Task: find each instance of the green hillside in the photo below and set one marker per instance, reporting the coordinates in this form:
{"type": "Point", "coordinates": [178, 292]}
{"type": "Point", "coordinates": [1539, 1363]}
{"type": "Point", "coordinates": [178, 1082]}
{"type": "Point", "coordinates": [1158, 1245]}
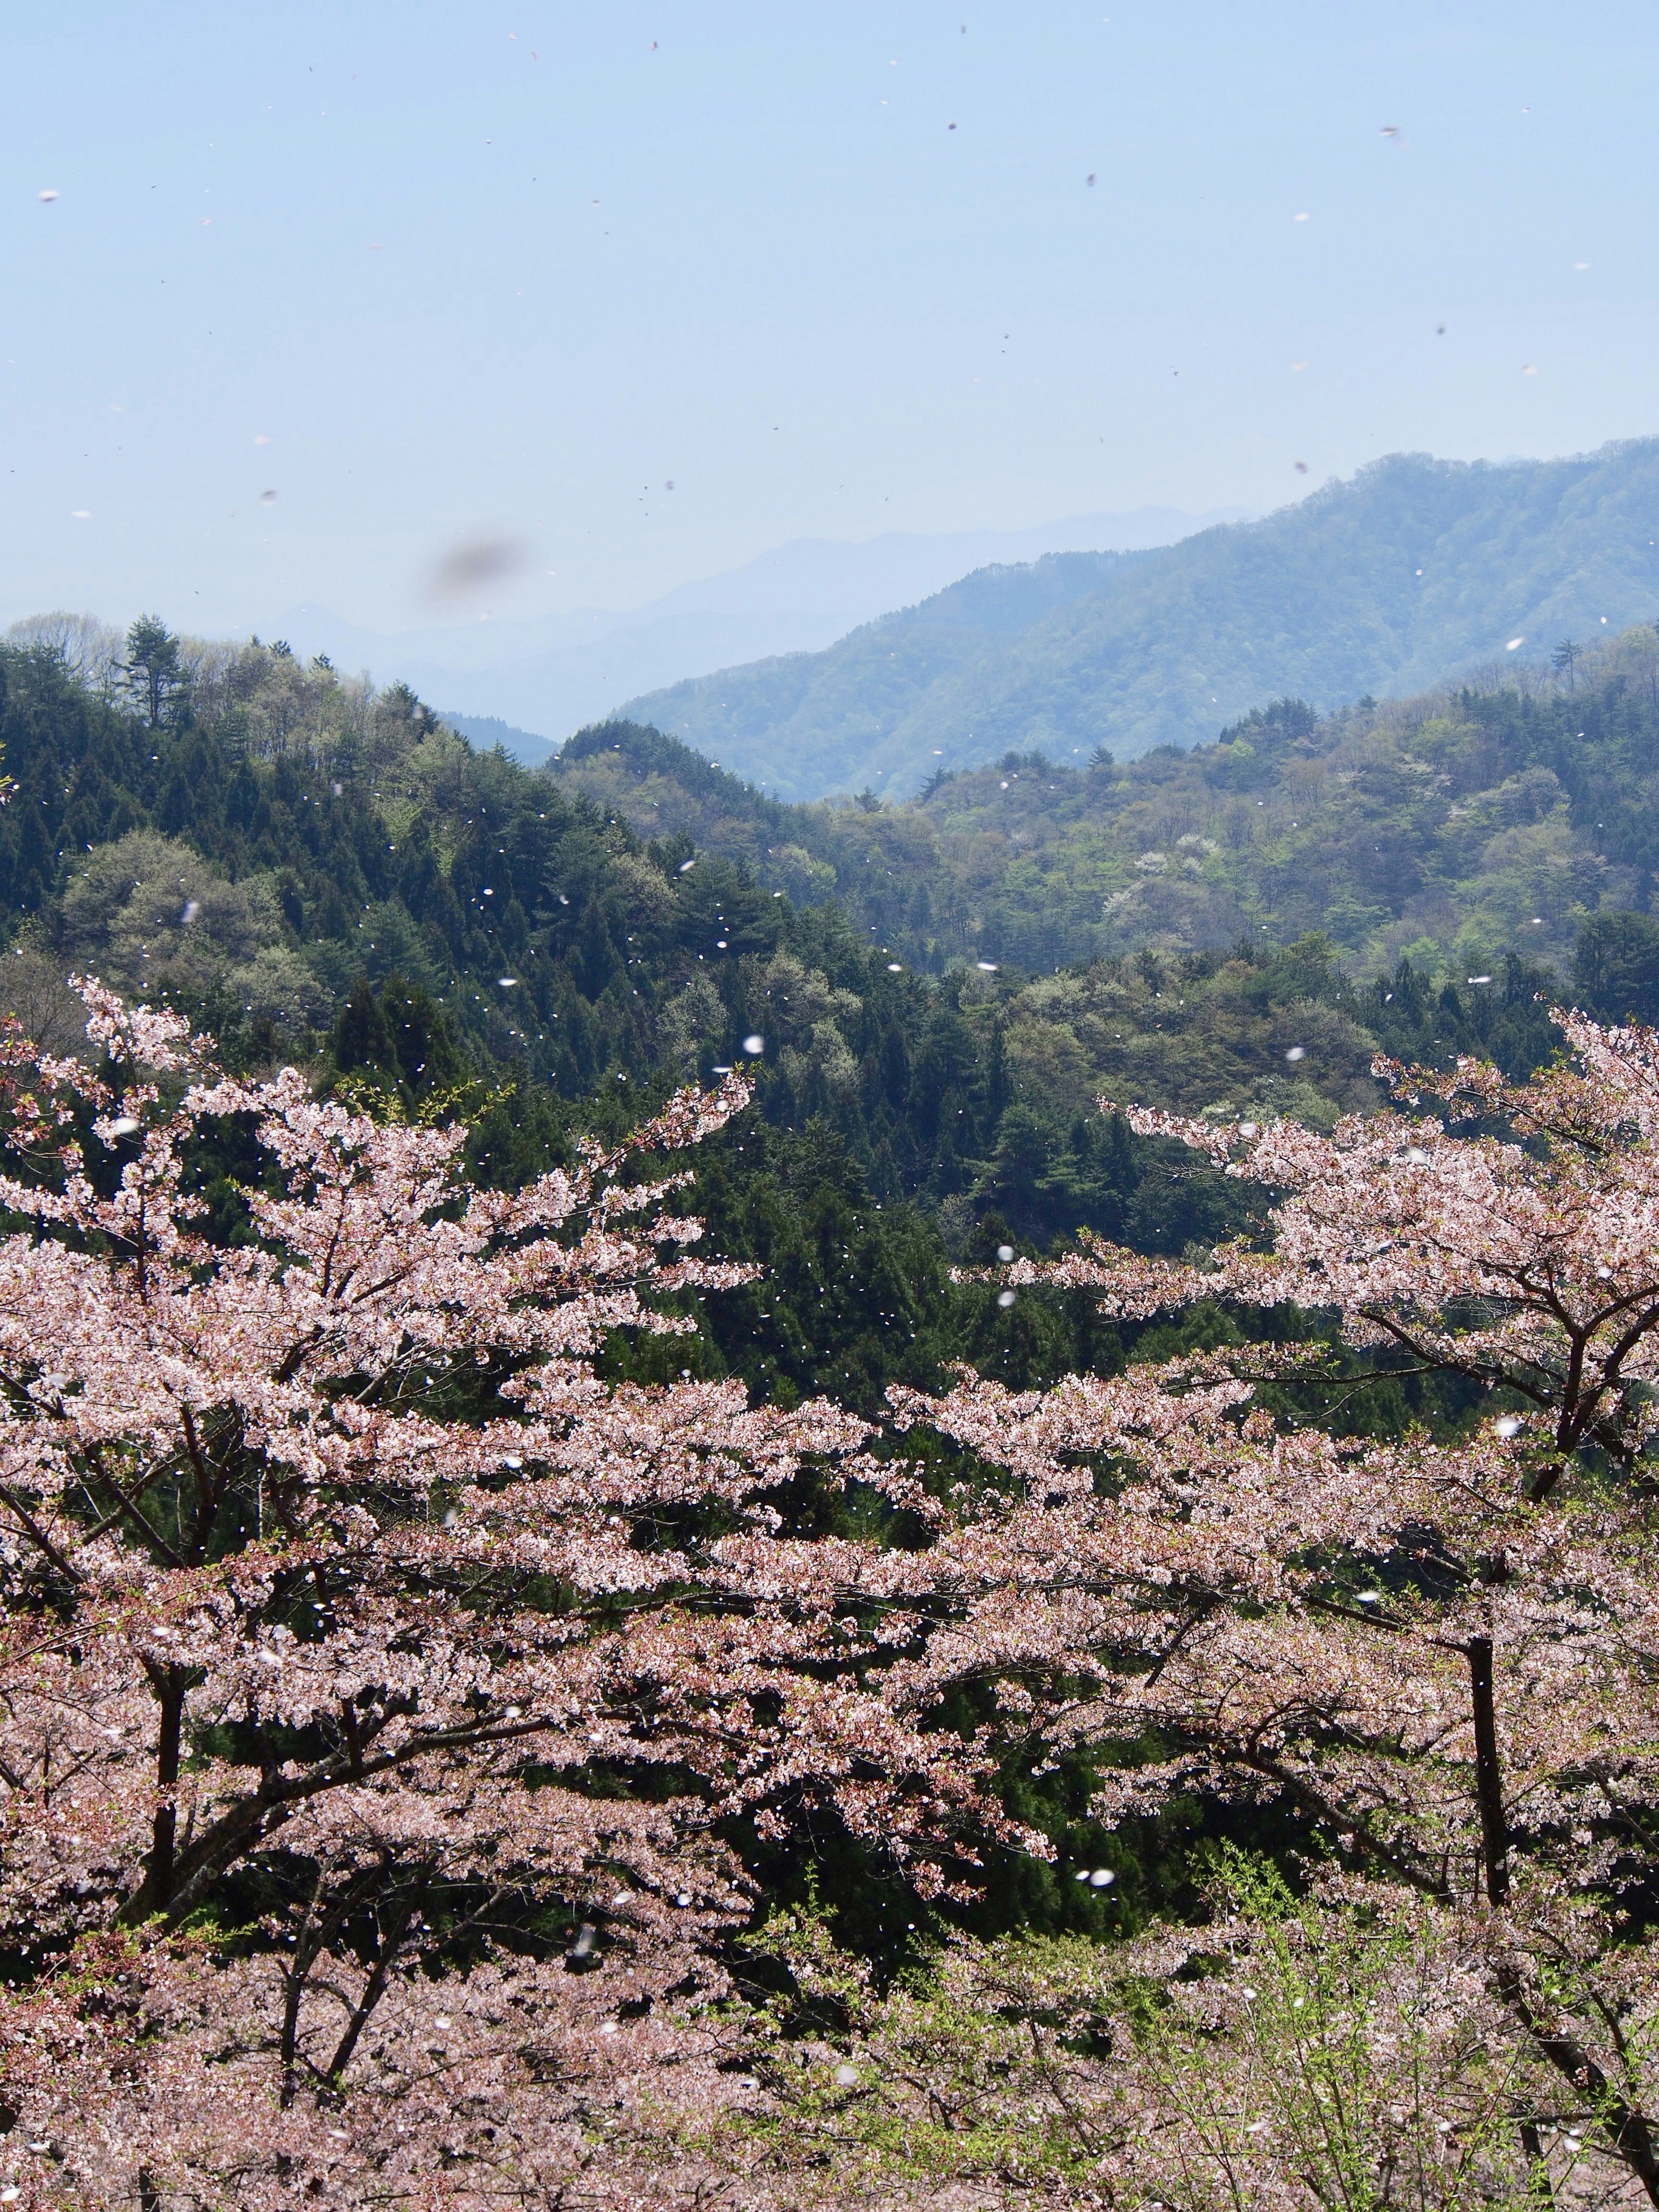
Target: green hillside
{"type": "Point", "coordinates": [1454, 827]}
{"type": "Point", "coordinates": [315, 870]}
{"type": "Point", "coordinates": [1417, 571]}
{"type": "Point", "coordinates": [942, 991]}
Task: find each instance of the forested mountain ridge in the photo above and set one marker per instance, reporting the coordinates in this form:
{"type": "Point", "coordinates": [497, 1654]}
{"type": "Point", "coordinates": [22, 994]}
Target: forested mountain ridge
{"type": "Point", "coordinates": [1454, 827]}
{"type": "Point", "coordinates": [1417, 571]}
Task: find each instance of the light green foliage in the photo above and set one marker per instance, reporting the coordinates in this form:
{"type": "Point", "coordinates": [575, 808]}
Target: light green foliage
{"type": "Point", "coordinates": [1212, 1034]}
{"type": "Point", "coordinates": [149, 916]}
{"type": "Point", "coordinates": [1301, 2056]}
{"type": "Point", "coordinates": [1329, 2057]}
{"type": "Point", "coordinates": [690, 1028]}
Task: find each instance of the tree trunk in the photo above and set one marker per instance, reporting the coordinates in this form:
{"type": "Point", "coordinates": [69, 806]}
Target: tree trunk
{"type": "Point", "coordinates": [154, 1893]}
{"type": "Point", "coordinates": [1488, 1773]}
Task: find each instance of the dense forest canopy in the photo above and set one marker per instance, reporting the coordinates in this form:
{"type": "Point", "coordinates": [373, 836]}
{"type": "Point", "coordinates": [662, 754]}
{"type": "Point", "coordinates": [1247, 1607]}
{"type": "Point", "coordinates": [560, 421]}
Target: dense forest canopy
{"type": "Point", "coordinates": [1449, 830]}
{"type": "Point", "coordinates": [315, 867]}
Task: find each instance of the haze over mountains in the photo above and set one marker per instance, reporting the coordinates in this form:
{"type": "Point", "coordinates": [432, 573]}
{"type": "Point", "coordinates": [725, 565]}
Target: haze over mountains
{"type": "Point", "coordinates": [528, 685]}
{"type": "Point", "coordinates": [1416, 571]}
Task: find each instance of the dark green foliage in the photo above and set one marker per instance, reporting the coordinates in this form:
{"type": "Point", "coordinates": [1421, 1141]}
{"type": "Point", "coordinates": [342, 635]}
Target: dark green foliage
{"type": "Point", "coordinates": [855, 1293]}
{"type": "Point", "coordinates": [362, 1038]}
{"type": "Point", "coordinates": [533, 954]}
{"type": "Point", "coordinates": [155, 672]}
{"type": "Point", "coordinates": [1615, 968]}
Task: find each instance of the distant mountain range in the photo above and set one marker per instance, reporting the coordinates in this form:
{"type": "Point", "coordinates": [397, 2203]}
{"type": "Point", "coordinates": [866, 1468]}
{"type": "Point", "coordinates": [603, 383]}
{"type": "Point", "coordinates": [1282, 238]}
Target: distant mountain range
{"type": "Point", "coordinates": [1417, 571]}
{"type": "Point", "coordinates": [540, 680]}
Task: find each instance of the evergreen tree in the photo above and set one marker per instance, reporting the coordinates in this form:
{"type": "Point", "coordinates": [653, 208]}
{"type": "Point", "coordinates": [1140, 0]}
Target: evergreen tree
{"type": "Point", "coordinates": [155, 672]}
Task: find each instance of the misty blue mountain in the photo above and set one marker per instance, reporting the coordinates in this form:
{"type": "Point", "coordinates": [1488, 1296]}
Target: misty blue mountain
{"type": "Point", "coordinates": [1415, 571]}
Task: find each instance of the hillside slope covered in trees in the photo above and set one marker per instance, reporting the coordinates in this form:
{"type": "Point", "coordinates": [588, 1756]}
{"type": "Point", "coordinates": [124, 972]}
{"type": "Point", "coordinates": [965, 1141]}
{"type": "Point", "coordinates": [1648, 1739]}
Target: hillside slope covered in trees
{"type": "Point", "coordinates": [314, 868]}
{"type": "Point", "coordinates": [1454, 827]}
{"type": "Point", "coordinates": [1417, 571]}
{"type": "Point", "coordinates": [318, 872]}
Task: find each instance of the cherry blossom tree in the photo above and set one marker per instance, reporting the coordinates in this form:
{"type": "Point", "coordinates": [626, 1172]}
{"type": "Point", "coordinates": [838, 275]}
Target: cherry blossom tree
{"type": "Point", "coordinates": [1439, 1656]}
{"type": "Point", "coordinates": [350, 1618]}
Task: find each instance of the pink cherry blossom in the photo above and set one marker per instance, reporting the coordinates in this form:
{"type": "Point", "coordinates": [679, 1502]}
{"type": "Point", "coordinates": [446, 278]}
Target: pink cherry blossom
{"type": "Point", "coordinates": [339, 1589]}
{"type": "Point", "coordinates": [1443, 1658]}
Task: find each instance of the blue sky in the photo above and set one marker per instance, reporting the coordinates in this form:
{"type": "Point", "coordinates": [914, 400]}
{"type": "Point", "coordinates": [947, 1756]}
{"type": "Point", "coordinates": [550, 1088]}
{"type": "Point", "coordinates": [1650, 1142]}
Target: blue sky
{"type": "Point", "coordinates": [506, 272]}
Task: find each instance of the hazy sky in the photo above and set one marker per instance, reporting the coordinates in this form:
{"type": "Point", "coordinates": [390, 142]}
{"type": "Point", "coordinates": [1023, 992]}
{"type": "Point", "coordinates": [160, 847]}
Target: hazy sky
{"type": "Point", "coordinates": [472, 271]}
